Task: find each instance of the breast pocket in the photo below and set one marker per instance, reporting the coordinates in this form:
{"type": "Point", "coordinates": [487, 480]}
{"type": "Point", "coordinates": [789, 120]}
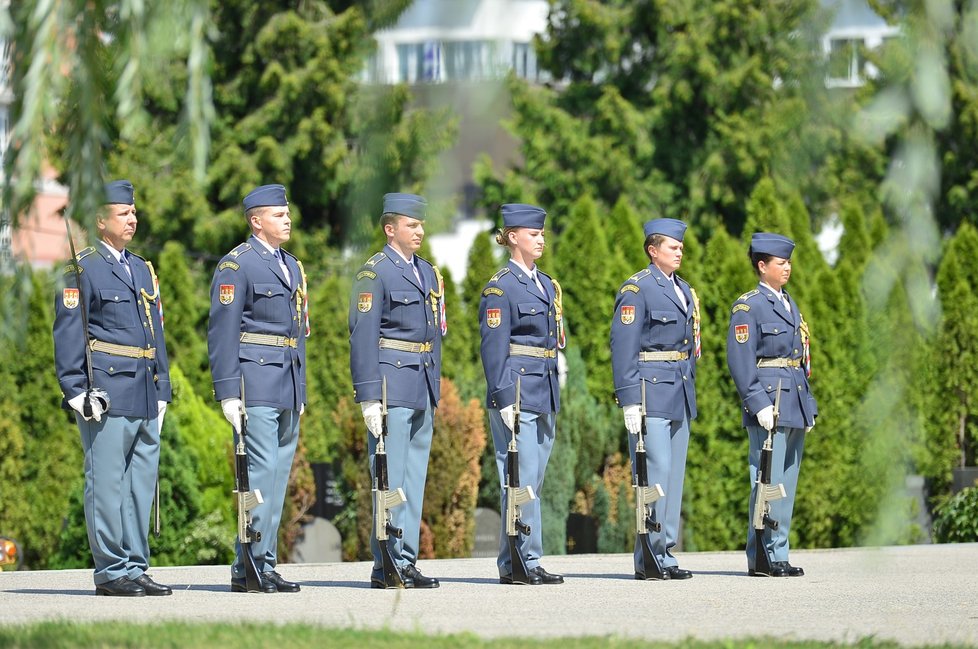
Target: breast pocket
{"type": "Point", "coordinates": [404, 307]}
{"type": "Point", "coordinates": [270, 303]}
{"type": "Point", "coordinates": [775, 338]}
{"type": "Point", "coordinates": [118, 310]}
{"type": "Point", "coordinates": [664, 318]}
{"type": "Point", "coordinates": [262, 355]}
{"type": "Point", "coordinates": [532, 317]}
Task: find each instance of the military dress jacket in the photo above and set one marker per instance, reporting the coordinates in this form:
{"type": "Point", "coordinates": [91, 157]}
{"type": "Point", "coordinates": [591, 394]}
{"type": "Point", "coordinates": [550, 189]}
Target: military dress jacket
{"type": "Point", "coordinates": [395, 331]}
{"type": "Point", "coordinates": [649, 317]}
{"type": "Point", "coordinates": [761, 328]}
{"type": "Point", "coordinates": [512, 311]}
{"type": "Point", "coordinates": [122, 312]}
{"type": "Point", "coordinates": [251, 295]}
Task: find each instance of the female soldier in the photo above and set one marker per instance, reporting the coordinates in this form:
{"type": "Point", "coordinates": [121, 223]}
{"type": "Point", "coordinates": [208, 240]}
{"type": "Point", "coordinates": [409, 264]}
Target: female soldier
{"type": "Point", "coordinates": [655, 340]}
{"type": "Point", "coordinates": [520, 320]}
{"type": "Point", "coordinates": [767, 346]}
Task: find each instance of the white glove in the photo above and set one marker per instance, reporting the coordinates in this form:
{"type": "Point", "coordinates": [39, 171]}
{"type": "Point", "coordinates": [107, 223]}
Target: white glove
{"type": "Point", "coordinates": [78, 403]}
{"type": "Point", "coordinates": [161, 405]}
{"type": "Point", "coordinates": [509, 416]}
{"type": "Point", "coordinates": [372, 416]}
{"type": "Point", "coordinates": [302, 408]}
{"type": "Point", "coordinates": [809, 428]}
{"type": "Point", "coordinates": [766, 417]}
{"type": "Point", "coordinates": [633, 418]}
{"type": "Point", "coordinates": [232, 412]}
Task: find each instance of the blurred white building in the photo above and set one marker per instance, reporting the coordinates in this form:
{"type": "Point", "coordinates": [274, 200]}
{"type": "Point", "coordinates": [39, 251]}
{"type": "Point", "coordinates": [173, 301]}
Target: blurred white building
{"type": "Point", "coordinates": [438, 41]}
{"type": "Point", "coordinates": [855, 29]}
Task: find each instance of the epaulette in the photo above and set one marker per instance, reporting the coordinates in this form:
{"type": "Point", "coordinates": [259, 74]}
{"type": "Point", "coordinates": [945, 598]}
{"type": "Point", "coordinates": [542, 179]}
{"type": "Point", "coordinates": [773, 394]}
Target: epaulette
{"type": "Point", "coordinates": [286, 252]}
{"type": "Point", "coordinates": [84, 253]}
{"type": "Point", "coordinates": [499, 273]}
{"type": "Point", "coordinates": [749, 294]}
{"type": "Point", "coordinates": [241, 249]}
{"type": "Point", "coordinates": [424, 260]}
{"type": "Point", "coordinates": [135, 255]}
{"type": "Point", "coordinates": [639, 275]}
{"type": "Point", "coordinates": [376, 259]}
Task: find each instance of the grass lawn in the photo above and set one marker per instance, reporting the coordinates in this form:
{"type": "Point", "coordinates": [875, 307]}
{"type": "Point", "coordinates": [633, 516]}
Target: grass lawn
{"type": "Point", "coordinates": [111, 635]}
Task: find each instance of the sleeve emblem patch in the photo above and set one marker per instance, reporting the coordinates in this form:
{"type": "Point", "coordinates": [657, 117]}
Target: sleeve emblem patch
{"type": "Point", "coordinates": [742, 333]}
{"type": "Point", "coordinates": [494, 317]}
{"type": "Point", "coordinates": [365, 302]}
{"type": "Point", "coordinates": [226, 294]}
{"type": "Point", "coordinates": [627, 314]}
{"type": "Point", "coordinates": [69, 297]}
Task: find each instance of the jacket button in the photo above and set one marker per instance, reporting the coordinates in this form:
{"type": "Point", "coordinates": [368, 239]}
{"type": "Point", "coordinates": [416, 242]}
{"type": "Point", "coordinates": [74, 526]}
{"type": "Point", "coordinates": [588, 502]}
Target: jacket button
{"type": "Point", "coordinates": [269, 293]}
{"type": "Point", "coordinates": [551, 333]}
{"type": "Point", "coordinates": [112, 369]}
{"type": "Point", "coordinates": [116, 298]}
{"type": "Point", "coordinates": [684, 377]}
{"type": "Point", "coordinates": [663, 318]}
{"type": "Point", "coordinates": [405, 300]}
{"type": "Point", "coordinates": [429, 323]}
{"type": "Point", "coordinates": [654, 379]}
{"type": "Point", "coordinates": [523, 370]}
{"type": "Point", "coordinates": [533, 310]}
{"type": "Point", "coordinates": [775, 331]}
{"type": "Point", "coordinates": [685, 341]}
{"type": "Point", "coordinates": [769, 387]}
{"type": "Point", "coordinates": [261, 360]}
{"type": "Point", "coordinates": [398, 363]}
{"type": "Point", "coordinates": [796, 351]}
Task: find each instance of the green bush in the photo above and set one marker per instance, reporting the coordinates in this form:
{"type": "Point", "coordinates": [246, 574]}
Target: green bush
{"type": "Point", "coordinates": [957, 519]}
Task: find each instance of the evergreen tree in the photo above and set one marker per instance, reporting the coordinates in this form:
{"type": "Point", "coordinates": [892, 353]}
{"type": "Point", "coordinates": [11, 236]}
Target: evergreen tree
{"type": "Point", "coordinates": [589, 302]}
{"type": "Point", "coordinates": [185, 299]}
{"type": "Point", "coordinates": [957, 340]}
{"type": "Point", "coordinates": [453, 473]}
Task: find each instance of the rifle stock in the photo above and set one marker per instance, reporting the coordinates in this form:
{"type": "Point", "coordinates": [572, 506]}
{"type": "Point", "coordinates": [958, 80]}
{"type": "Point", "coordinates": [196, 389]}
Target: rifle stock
{"type": "Point", "coordinates": [247, 501]}
{"type": "Point", "coordinates": [645, 497]}
{"type": "Point", "coordinates": [516, 496]}
{"type": "Point", "coordinates": [766, 493]}
{"type": "Point", "coordinates": [386, 499]}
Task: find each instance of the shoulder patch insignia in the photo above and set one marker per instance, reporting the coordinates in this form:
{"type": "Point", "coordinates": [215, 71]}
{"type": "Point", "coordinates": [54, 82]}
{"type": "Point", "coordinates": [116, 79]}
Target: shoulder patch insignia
{"type": "Point", "coordinates": [365, 302]}
{"type": "Point", "coordinates": [640, 274]}
{"type": "Point", "coordinates": [499, 273]}
{"type": "Point", "coordinates": [69, 297]}
{"type": "Point", "coordinates": [376, 259]}
{"type": "Point", "coordinates": [72, 268]}
{"type": "Point", "coordinates": [492, 290]}
{"type": "Point", "coordinates": [494, 318]}
{"type": "Point", "coordinates": [627, 314]}
{"type": "Point", "coordinates": [228, 264]}
{"type": "Point", "coordinates": [84, 253]}
{"type": "Point", "coordinates": [740, 307]}
{"type": "Point", "coordinates": [629, 288]}
{"type": "Point", "coordinates": [226, 294]}
{"type": "Point", "coordinates": [369, 274]}
{"type": "Point", "coordinates": [243, 248]}
{"type": "Point", "coordinates": [742, 333]}
{"type": "Point", "coordinates": [749, 294]}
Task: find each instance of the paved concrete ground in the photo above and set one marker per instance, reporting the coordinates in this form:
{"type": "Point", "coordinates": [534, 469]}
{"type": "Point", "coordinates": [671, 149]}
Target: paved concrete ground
{"type": "Point", "coordinates": [916, 595]}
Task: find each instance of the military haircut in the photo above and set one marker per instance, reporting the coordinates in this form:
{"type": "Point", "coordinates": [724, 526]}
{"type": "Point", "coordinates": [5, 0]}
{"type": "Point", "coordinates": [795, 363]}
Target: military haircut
{"type": "Point", "coordinates": [654, 240]}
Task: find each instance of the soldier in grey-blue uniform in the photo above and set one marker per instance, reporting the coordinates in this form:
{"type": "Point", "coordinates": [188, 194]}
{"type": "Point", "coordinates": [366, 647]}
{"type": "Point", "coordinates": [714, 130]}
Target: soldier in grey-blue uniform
{"type": "Point", "coordinates": [257, 330]}
{"type": "Point", "coordinates": [396, 324]}
{"type": "Point", "coordinates": [655, 339]}
{"type": "Point", "coordinates": [768, 342]}
{"type": "Point", "coordinates": [118, 290]}
{"type": "Point", "coordinates": [520, 318]}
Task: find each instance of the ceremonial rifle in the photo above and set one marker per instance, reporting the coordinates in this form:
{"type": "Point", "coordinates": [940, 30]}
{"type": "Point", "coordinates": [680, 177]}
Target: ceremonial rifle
{"type": "Point", "coordinates": [385, 499]}
{"type": "Point", "coordinates": [247, 501]}
{"type": "Point", "coordinates": [645, 497]}
{"type": "Point", "coordinates": [92, 393]}
{"type": "Point", "coordinates": [515, 497]}
{"type": "Point", "coordinates": [765, 495]}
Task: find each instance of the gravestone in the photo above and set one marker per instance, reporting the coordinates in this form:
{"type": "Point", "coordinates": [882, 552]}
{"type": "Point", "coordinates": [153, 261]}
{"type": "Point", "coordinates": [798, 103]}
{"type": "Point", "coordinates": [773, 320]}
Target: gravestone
{"type": "Point", "coordinates": [320, 542]}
